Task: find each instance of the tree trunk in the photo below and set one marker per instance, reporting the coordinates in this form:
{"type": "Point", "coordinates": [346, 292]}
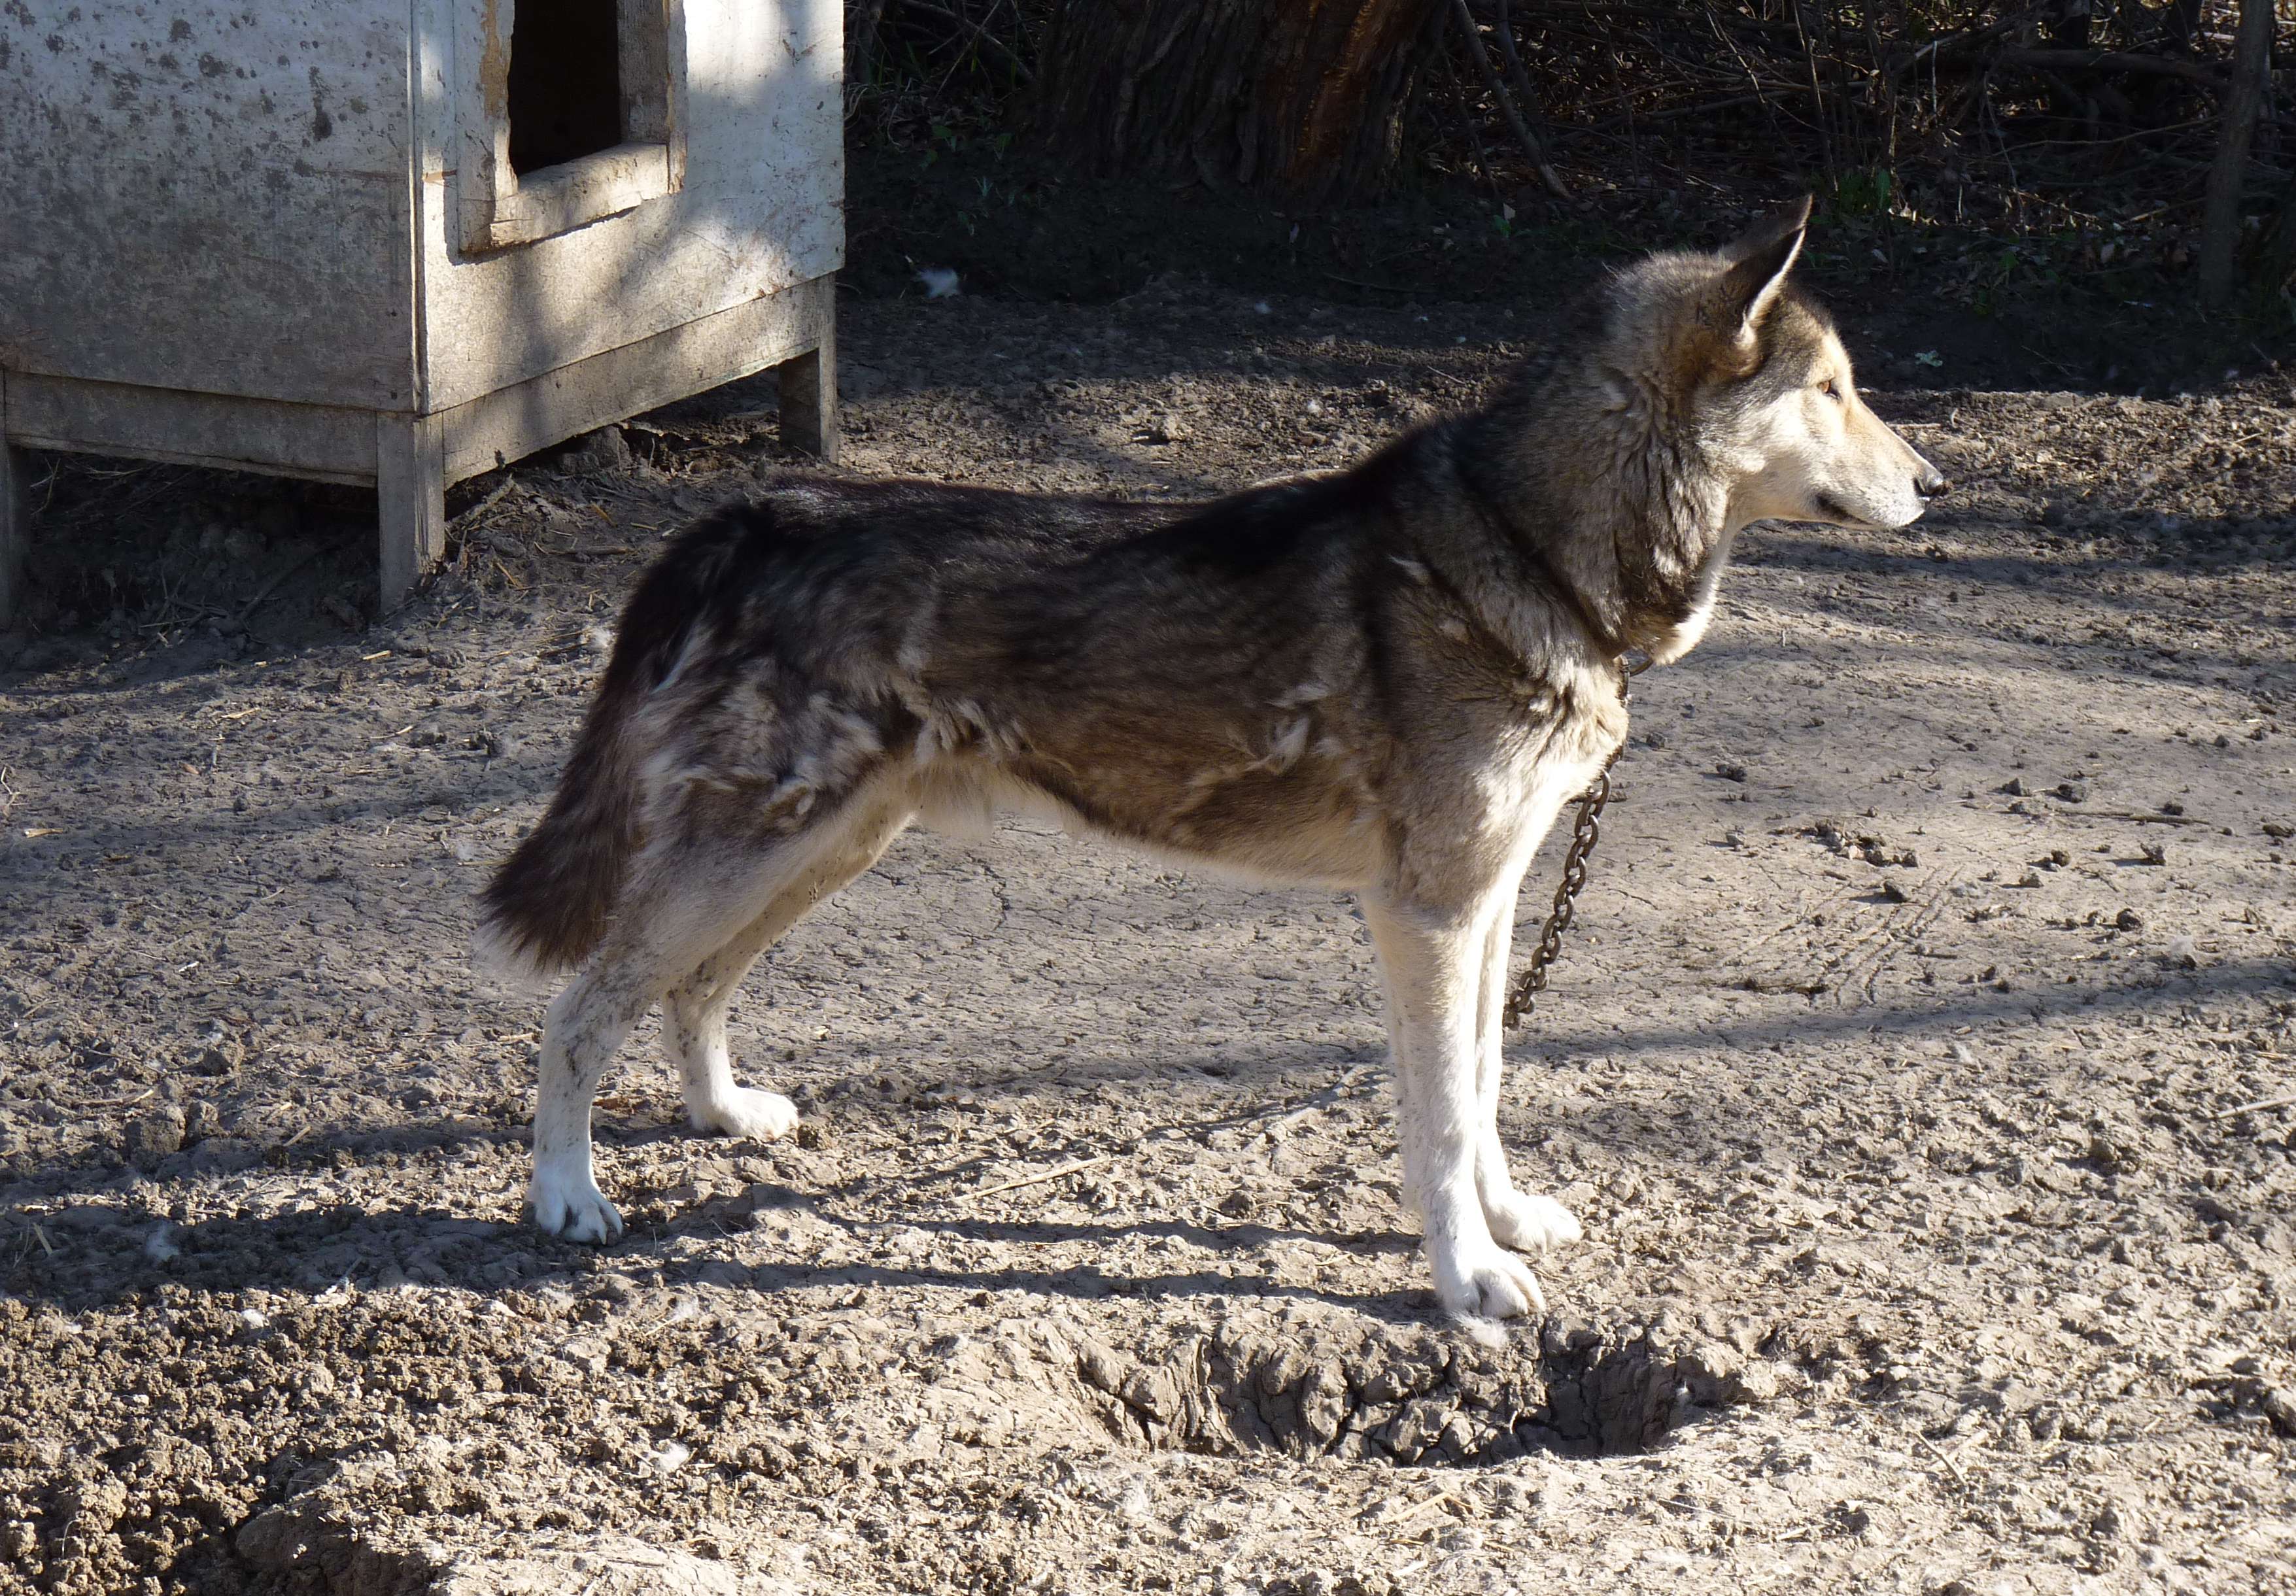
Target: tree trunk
{"type": "Point", "coordinates": [1302, 99]}
{"type": "Point", "coordinates": [2243, 98]}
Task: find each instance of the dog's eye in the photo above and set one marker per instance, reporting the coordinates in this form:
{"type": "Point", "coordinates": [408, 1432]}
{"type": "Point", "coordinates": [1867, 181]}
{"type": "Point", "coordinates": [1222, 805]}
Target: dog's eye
{"type": "Point", "coordinates": [1830, 388]}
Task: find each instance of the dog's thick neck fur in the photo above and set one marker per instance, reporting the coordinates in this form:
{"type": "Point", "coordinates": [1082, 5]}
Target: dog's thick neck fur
{"type": "Point", "coordinates": [1575, 459]}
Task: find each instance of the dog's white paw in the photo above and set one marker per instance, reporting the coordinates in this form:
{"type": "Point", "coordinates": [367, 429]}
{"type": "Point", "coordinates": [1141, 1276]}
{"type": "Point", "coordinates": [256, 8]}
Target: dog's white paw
{"type": "Point", "coordinates": [1529, 1223]}
{"type": "Point", "coordinates": [571, 1205]}
{"type": "Point", "coordinates": [1481, 1280]}
{"type": "Point", "coordinates": [745, 1112]}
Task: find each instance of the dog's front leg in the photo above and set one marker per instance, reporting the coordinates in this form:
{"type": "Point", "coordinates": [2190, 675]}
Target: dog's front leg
{"type": "Point", "coordinates": [1434, 963]}
{"type": "Point", "coordinates": [1522, 1220]}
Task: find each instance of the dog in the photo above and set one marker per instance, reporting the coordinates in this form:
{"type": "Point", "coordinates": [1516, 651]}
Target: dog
{"type": "Point", "coordinates": [1385, 680]}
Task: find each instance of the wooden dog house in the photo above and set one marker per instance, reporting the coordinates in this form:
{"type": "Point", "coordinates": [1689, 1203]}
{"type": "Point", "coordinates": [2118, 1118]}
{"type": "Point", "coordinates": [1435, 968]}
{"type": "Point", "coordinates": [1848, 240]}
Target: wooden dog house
{"type": "Point", "coordinates": [400, 242]}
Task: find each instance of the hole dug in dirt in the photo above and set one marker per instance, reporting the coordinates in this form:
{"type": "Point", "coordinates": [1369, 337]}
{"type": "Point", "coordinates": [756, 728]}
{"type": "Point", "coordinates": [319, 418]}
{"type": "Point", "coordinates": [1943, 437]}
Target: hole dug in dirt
{"type": "Point", "coordinates": [1307, 1381]}
{"type": "Point", "coordinates": [1410, 1394]}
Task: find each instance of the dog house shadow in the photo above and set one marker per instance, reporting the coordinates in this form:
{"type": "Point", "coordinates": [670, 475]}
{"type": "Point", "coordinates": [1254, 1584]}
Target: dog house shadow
{"type": "Point", "coordinates": [396, 246]}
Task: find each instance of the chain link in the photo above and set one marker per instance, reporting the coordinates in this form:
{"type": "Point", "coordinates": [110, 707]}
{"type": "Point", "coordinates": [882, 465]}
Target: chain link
{"type": "Point", "coordinates": [1523, 996]}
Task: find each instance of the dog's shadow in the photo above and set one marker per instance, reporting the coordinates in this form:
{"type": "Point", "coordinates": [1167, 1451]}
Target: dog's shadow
{"type": "Point", "coordinates": [84, 1258]}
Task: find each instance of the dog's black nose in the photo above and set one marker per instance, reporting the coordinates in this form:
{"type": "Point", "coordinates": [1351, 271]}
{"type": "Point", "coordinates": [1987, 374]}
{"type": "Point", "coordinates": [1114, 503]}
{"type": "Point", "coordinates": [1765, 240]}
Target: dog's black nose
{"type": "Point", "coordinates": [1930, 485]}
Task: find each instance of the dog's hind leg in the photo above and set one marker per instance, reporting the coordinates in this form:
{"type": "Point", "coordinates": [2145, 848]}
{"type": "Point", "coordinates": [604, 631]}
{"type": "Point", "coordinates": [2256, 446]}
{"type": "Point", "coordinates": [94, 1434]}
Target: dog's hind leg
{"type": "Point", "coordinates": [1524, 1220]}
{"type": "Point", "coordinates": [684, 902]}
{"type": "Point", "coordinates": [694, 1011]}
{"type": "Point", "coordinates": [586, 1025]}
{"type": "Point", "coordinates": [1434, 962]}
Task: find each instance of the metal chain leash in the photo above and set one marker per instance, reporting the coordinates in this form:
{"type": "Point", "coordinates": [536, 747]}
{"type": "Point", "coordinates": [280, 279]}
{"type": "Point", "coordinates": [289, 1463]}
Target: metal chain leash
{"type": "Point", "coordinates": [1523, 996]}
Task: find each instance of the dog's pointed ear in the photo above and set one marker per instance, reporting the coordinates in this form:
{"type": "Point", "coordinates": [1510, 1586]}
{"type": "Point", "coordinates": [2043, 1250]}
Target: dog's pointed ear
{"type": "Point", "coordinates": [1759, 262]}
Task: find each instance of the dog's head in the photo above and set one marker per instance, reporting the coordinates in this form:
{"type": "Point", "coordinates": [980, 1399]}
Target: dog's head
{"type": "Point", "coordinates": [1756, 381]}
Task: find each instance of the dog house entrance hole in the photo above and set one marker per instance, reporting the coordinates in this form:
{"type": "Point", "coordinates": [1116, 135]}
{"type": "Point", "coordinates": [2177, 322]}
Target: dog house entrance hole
{"type": "Point", "coordinates": [582, 124]}
{"type": "Point", "coordinates": [565, 83]}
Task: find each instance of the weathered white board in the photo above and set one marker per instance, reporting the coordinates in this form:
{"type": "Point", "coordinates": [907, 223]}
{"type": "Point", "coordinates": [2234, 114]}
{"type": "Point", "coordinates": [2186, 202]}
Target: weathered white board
{"type": "Point", "coordinates": [288, 237]}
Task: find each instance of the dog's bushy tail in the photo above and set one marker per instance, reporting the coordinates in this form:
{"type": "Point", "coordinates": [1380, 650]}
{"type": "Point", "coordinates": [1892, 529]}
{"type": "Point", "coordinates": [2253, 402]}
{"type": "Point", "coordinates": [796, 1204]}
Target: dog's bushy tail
{"type": "Point", "coordinates": [549, 904]}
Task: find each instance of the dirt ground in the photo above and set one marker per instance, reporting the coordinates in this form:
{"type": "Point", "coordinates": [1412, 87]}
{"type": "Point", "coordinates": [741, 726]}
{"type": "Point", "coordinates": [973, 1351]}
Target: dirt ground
{"type": "Point", "coordinates": [1922, 1070]}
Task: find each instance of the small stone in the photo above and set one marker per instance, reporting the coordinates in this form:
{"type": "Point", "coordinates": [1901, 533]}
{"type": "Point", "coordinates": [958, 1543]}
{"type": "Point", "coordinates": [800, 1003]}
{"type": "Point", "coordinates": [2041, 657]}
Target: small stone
{"type": "Point", "coordinates": [2129, 919]}
{"type": "Point", "coordinates": [2014, 787]}
{"type": "Point", "coordinates": [606, 450]}
{"type": "Point", "coordinates": [1510, 1495]}
{"type": "Point", "coordinates": [2280, 1408]}
{"type": "Point", "coordinates": [1101, 1368]}
{"type": "Point", "coordinates": [2072, 792]}
{"type": "Point", "coordinates": [2153, 853]}
{"type": "Point", "coordinates": [152, 1136]}
{"type": "Point", "coordinates": [1757, 1382]}
{"type": "Point", "coordinates": [1730, 770]}
{"type": "Point", "coordinates": [2110, 1152]}
{"type": "Point", "coordinates": [275, 1540]}
{"type": "Point", "coordinates": [1135, 1503]}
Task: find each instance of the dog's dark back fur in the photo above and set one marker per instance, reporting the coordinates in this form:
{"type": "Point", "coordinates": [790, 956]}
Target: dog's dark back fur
{"type": "Point", "coordinates": [793, 547]}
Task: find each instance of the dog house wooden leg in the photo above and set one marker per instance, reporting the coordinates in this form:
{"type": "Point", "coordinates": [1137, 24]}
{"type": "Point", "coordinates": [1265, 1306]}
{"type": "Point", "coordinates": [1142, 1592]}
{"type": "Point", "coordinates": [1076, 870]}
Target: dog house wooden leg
{"type": "Point", "coordinates": [809, 400]}
{"type": "Point", "coordinates": [15, 517]}
{"type": "Point", "coordinates": [410, 491]}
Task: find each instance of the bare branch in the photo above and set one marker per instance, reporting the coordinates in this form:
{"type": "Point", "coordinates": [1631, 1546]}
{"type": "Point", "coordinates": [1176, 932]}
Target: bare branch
{"type": "Point", "coordinates": [1492, 80]}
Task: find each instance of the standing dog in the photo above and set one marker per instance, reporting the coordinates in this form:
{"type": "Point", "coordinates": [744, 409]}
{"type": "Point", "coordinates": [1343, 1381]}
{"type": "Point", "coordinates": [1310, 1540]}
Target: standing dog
{"type": "Point", "coordinates": [1386, 681]}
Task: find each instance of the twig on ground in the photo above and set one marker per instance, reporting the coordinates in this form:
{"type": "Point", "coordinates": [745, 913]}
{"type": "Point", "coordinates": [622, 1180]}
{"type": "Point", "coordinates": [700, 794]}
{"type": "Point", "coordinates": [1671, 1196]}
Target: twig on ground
{"type": "Point", "coordinates": [2285, 1101]}
{"type": "Point", "coordinates": [1077, 1167]}
{"type": "Point", "coordinates": [981, 36]}
{"type": "Point", "coordinates": [277, 576]}
{"type": "Point", "coordinates": [1952, 1467]}
{"type": "Point", "coordinates": [502, 489]}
